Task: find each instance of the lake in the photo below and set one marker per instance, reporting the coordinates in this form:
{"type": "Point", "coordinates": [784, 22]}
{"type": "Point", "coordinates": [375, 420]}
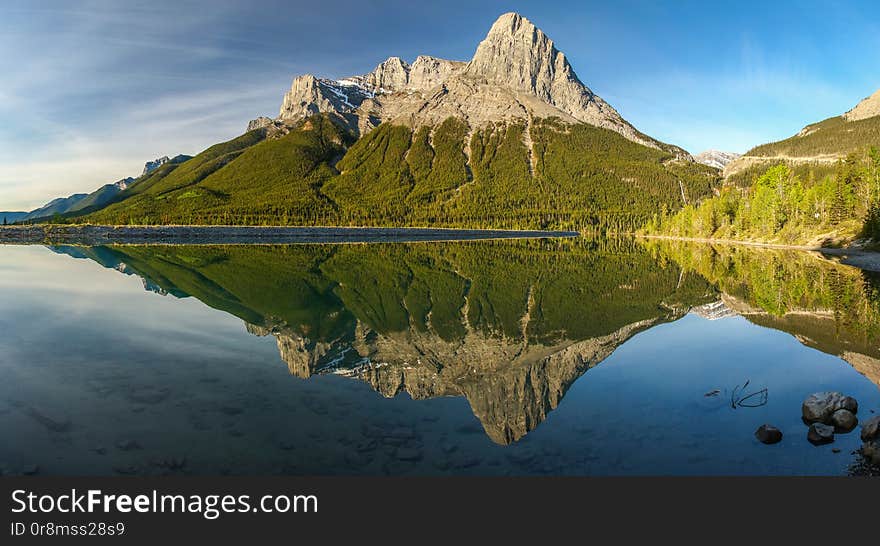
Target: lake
{"type": "Point", "coordinates": [515, 357]}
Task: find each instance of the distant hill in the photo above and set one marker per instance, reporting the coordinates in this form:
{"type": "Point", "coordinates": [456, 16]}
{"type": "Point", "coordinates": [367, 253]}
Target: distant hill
{"type": "Point", "coordinates": [817, 147]}
{"type": "Point", "coordinates": [81, 203]}
{"type": "Point", "coordinates": [11, 217]}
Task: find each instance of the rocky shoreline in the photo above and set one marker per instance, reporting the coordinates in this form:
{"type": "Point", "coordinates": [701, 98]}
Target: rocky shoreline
{"type": "Point", "coordinates": [249, 235]}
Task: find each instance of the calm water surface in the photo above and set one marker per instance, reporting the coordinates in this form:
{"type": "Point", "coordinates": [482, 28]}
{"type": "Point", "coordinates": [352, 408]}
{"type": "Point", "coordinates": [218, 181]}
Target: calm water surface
{"type": "Point", "coordinates": [485, 358]}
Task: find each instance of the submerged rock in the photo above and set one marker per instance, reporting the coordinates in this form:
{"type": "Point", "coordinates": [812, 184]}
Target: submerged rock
{"type": "Point", "coordinates": [768, 434]}
{"type": "Point", "coordinates": [844, 420]}
{"type": "Point", "coordinates": [820, 433]}
{"type": "Point", "coordinates": [820, 407]}
{"type": "Point", "coordinates": [871, 429]}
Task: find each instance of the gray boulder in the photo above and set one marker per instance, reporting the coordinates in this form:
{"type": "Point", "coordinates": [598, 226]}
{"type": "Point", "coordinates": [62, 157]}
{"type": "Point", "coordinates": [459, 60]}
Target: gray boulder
{"type": "Point", "coordinates": [820, 434]}
{"type": "Point", "coordinates": [820, 407]}
{"type": "Point", "coordinates": [844, 420]}
{"type": "Point", "coordinates": [871, 429]}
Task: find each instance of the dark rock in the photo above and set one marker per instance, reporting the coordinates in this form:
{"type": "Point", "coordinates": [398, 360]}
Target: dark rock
{"type": "Point", "coordinates": [871, 429]}
{"type": "Point", "coordinates": [128, 445]}
{"type": "Point", "coordinates": [768, 434]}
{"type": "Point", "coordinates": [871, 451]}
{"type": "Point", "coordinates": [835, 450]}
{"type": "Point", "coordinates": [31, 470]}
{"type": "Point", "coordinates": [820, 406]}
{"type": "Point", "coordinates": [820, 434]}
{"type": "Point", "coordinates": [844, 420]}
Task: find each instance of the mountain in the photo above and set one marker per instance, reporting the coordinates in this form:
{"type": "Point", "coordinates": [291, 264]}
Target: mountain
{"type": "Point", "coordinates": [516, 73]}
{"type": "Point", "coordinates": [511, 138]}
{"type": "Point", "coordinates": [716, 158]}
{"type": "Point", "coordinates": [11, 217]}
{"type": "Point", "coordinates": [151, 166]}
{"type": "Point", "coordinates": [82, 203]}
{"type": "Point", "coordinates": [58, 206]}
{"type": "Point", "coordinates": [817, 147]}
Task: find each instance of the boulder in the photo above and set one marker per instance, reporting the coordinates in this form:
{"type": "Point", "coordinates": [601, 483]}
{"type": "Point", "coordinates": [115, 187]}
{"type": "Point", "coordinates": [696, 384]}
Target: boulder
{"type": "Point", "coordinates": [820, 407]}
{"type": "Point", "coordinates": [768, 434]}
{"type": "Point", "coordinates": [871, 429]}
{"type": "Point", "coordinates": [871, 451]}
{"type": "Point", "coordinates": [820, 433]}
{"type": "Point", "coordinates": [844, 420]}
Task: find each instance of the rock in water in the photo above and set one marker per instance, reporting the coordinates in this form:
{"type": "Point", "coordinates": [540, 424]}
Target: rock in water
{"type": "Point", "coordinates": [871, 451]}
{"type": "Point", "coordinates": [768, 434]}
{"type": "Point", "coordinates": [844, 420]}
{"type": "Point", "coordinates": [820, 434]}
{"type": "Point", "coordinates": [820, 406]}
{"type": "Point", "coordinates": [871, 429]}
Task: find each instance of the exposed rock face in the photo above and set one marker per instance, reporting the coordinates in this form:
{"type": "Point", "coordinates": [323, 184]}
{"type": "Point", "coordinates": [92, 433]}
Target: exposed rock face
{"type": "Point", "coordinates": [428, 72]}
{"type": "Point", "coordinates": [310, 95]}
{"type": "Point", "coordinates": [391, 75]}
{"type": "Point", "coordinates": [259, 123]}
{"type": "Point", "coordinates": [516, 74]}
{"type": "Point", "coordinates": [868, 108]}
{"type": "Point", "coordinates": [716, 158]}
{"type": "Point", "coordinates": [518, 56]}
{"type": "Point", "coordinates": [151, 166]}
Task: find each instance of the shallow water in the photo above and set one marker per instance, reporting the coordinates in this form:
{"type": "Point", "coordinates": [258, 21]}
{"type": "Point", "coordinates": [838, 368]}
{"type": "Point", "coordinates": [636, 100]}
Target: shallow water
{"type": "Point", "coordinates": [506, 357]}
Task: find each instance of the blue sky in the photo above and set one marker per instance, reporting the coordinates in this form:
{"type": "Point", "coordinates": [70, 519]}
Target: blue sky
{"type": "Point", "coordinates": [90, 90]}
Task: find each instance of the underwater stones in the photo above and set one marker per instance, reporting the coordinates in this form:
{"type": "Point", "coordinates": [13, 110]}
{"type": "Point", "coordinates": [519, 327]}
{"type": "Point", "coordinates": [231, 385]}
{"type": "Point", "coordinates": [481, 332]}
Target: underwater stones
{"type": "Point", "coordinates": [768, 434]}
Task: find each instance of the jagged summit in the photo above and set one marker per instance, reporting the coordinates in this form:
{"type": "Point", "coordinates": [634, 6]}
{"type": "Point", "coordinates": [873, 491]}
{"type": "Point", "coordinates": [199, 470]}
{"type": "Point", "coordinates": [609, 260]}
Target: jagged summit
{"type": "Point", "coordinates": [867, 108]}
{"type": "Point", "coordinates": [516, 73]}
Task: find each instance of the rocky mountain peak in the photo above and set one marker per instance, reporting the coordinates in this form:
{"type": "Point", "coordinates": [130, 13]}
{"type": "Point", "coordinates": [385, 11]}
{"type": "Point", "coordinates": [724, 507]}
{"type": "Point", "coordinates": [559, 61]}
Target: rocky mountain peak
{"type": "Point", "coordinates": [868, 108]}
{"type": "Point", "coordinates": [151, 166]}
{"type": "Point", "coordinates": [391, 75]}
{"type": "Point", "coordinates": [515, 73]}
{"type": "Point", "coordinates": [518, 55]}
{"type": "Point", "coordinates": [716, 158]}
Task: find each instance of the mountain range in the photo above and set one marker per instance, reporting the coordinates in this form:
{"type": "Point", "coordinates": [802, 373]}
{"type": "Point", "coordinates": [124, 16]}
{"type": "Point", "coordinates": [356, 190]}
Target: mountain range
{"type": "Point", "coordinates": [511, 138]}
{"type": "Point", "coordinates": [81, 203]}
{"type": "Point", "coordinates": [817, 147]}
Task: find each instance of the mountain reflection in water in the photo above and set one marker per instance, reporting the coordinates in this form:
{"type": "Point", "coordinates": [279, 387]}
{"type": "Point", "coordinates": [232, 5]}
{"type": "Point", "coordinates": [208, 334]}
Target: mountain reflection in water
{"type": "Point", "coordinates": [508, 325]}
